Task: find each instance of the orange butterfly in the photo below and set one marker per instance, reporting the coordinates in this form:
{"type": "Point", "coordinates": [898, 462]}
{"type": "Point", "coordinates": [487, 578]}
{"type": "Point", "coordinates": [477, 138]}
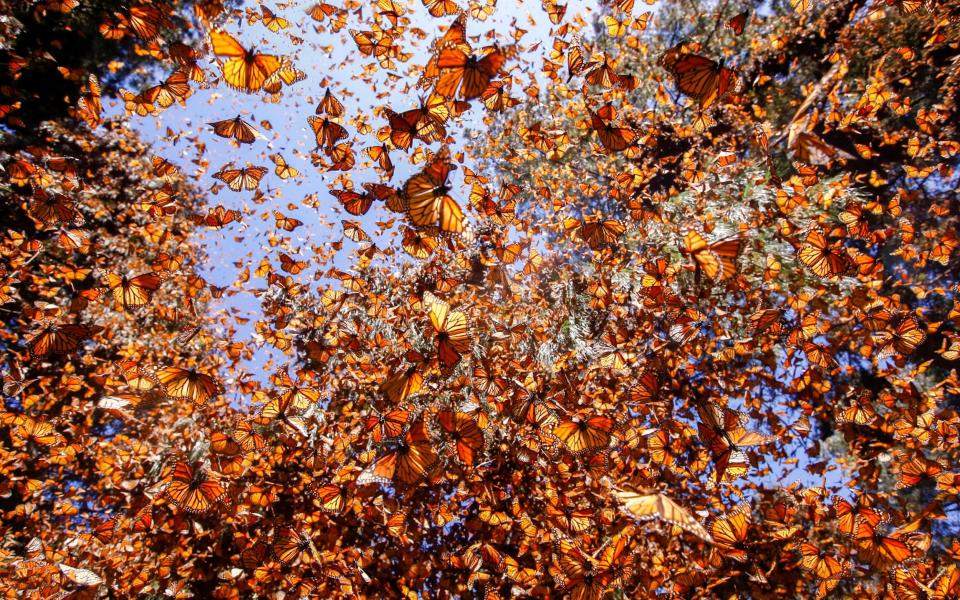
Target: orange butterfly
{"type": "Point", "coordinates": [332, 498]}
{"type": "Point", "coordinates": [247, 178]}
{"type": "Point", "coordinates": [730, 534]}
{"type": "Point", "coordinates": [389, 425]}
{"type": "Point", "coordinates": [133, 292]}
{"type": "Point", "coordinates": [440, 8]}
{"type": "Point", "coordinates": [192, 488]}
{"type": "Point", "coordinates": [821, 563]}
{"type": "Point", "coordinates": [583, 435]}
{"type": "Point", "coordinates": [738, 22]}
{"type": "Point", "coordinates": [244, 70]}
{"type": "Point", "coordinates": [452, 331]}
{"type": "Point", "coordinates": [428, 202]}
{"type": "Point", "coordinates": [329, 105]}
{"type": "Point", "coordinates": [469, 73]}
{"type": "Point", "coordinates": [822, 257]}
{"type": "Point", "coordinates": [28, 430]}
{"type": "Point", "coordinates": [293, 547]}
{"type": "Point", "coordinates": [287, 74]}
{"type": "Point", "coordinates": [718, 260]}
{"type": "Point", "coordinates": [613, 137]}
{"type": "Point", "coordinates": [425, 122]}
{"type": "Point", "coordinates": [174, 88]}
{"type": "Point", "coordinates": [283, 169]}
{"type": "Point", "coordinates": [327, 132]}
{"type": "Point", "coordinates": [881, 551]}
{"type": "Point", "coordinates": [697, 76]}
{"type": "Point", "coordinates": [356, 203]}
{"type": "Point", "coordinates": [60, 339]}
{"type": "Point", "coordinates": [405, 383]}
{"type": "Point", "coordinates": [185, 384]}
{"type": "Point", "coordinates": [237, 129]}
{"type": "Point", "coordinates": [463, 433]}
{"type": "Point", "coordinates": [406, 461]}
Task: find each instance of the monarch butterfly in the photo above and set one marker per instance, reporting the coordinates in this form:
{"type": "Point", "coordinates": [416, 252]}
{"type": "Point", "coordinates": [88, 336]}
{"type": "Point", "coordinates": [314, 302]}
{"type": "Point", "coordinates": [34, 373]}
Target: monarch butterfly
{"type": "Point", "coordinates": [218, 216]}
{"type": "Point", "coordinates": [174, 88]}
{"type": "Point", "coordinates": [237, 129]}
{"type": "Point", "coordinates": [249, 435]}
{"type": "Point", "coordinates": [821, 563]}
{"type": "Point", "coordinates": [402, 385]}
{"type": "Point", "coordinates": [822, 257]}
{"type": "Point", "coordinates": [133, 292]}
{"type": "Point", "coordinates": [329, 105]}
{"type": "Point", "coordinates": [60, 339]}
{"type": "Point", "coordinates": [570, 518]}
{"type": "Point", "coordinates": [470, 73]}
{"type": "Point", "coordinates": [381, 155]}
{"type": "Point", "coordinates": [391, 10]}
{"type": "Point", "coordinates": [487, 380]}
{"type": "Point", "coordinates": [80, 577]}
{"type": "Point", "coordinates": [646, 390]}
{"type": "Point", "coordinates": [699, 77]}
{"type": "Point", "coordinates": [917, 470]}
{"type": "Point", "coordinates": [426, 122]}
{"type": "Point", "coordinates": [596, 232]}
{"type": "Point", "coordinates": [244, 70]}
{"type": "Point", "coordinates": [292, 546]}
{"type": "Point", "coordinates": [105, 530]}
{"type": "Point", "coordinates": [738, 22]}
{"type": "Point", "coordinates": [287, 74]}
{"type": "Point", "coordinates": [54, 208]}
{"type": "Point", "coordinates": [327, 132]}
{"type": "Point", "coordinates": [463, 433]}
{"type": "Point", "coordinates": [850, 517]}
{"type": "Point", "coordinates": [853, 217]}
{"type": "Point", "coordinates": [613, 137]}
{"type": "Point", "coordinates": [186, 59]}
{"type": "Point", "coordinates": [355, 203]}
{"type": "Point", "coordinates": [497, 97]}
{"type": "Point", "coordinates": [284, 222]}
{"type": "Point", "coordinates": [372, 43]}
{"type": "Point", "coordinates": [89, 105]}
{"type": "Point", "coordinates": [406, 461]}
{"type": "Point", "coordinates": [389, 425]}
{"type": "Point", "coordinates": [721, 427]}
{"type": "Point", "coordinates": [186, 384]}
{"type": "Point", "coordinates": [687, 325]}
{"type": "Point", "coordinates": [654, 505]}
{"type": "Point", "coordinates": [602, 73]}
{"type": "Point", "coordinates": [332, 498]}
{"type": "Point", "coordinates": [279, 408]}
{"type": "Point", "coordinates": [192, 488]}
{"type": "Point", "coordinates": [441, 8]}
{"type": "Point", "coordinates": [163, 167]}
{"type": "Point", "coordinates": [30, 430]}
{"type": "Point", "coordinates": [270, 20]}
{"type": "Point", "coordinates": [583, 435]}
{"type": "Point", "coordinates": [717, 260]}
{"type": "Point", "coordinates": [730, 533]}
{"type": "Point", "coordinates": [880, 550]}
{"type": "Point", "coordinates": [452, 331]}
{"type": "Point", "coordinates": [427, 199]}
{"type": "Point", "coordinates": [905, 337]}
{"type": "Point", "coordinates": [859, 412]}
{"type": "Point", "coordinates": [247, 178]}
{"type": "Point", "coordinates": [585, 577]}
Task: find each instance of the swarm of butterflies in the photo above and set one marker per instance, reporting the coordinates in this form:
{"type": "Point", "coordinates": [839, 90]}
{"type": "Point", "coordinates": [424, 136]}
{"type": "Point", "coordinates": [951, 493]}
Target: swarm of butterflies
{"type": "Point", "coordinates": [639, 337]}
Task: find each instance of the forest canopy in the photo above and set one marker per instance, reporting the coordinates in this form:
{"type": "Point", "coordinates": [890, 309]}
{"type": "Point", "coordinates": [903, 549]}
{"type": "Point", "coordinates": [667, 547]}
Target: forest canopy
{"type": "Point", "coordinates": [480, 299]}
